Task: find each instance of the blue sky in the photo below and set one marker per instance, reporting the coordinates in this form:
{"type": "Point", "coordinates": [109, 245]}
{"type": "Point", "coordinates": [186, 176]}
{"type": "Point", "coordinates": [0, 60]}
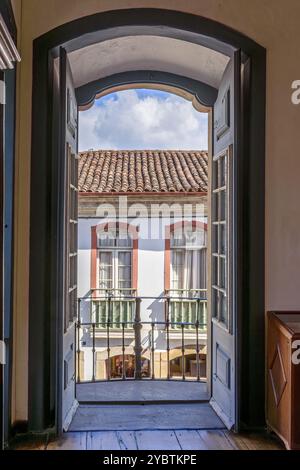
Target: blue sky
{"type": "Point", "coordinates": [142, 119]}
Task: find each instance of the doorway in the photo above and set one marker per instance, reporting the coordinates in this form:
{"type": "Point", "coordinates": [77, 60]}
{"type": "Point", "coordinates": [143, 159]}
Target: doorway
{"type": "Point", "coordinates": [142, 248]}
{"type": "Point", "coordinates": [186, 251]}
{"type": "Point", "coordinates": [226, 367]}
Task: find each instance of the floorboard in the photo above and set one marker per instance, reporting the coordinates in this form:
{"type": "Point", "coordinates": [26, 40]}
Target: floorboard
{"type": "Point", "coordinates": [157, 440]}
{"type": "Point", "coordinates": [127, 440]}
{"type": "Point", "coordinates": [70, 441]}
{"type": "Point", "coordinates": [180, 439]}
{"type": "Point", "coordinates": [256, 441]}
{"type": "Point", "coordinates": [190, 440]}
{"type": "Point", "coordinates": [215, 440]}
{"type": "Point", "coordinates": [107, 440]}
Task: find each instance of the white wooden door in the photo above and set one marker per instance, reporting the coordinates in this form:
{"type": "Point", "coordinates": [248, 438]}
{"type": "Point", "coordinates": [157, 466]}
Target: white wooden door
{"type": "Point", "coordinates": [69, 129]}
{"type": "Point", "coordinates": [223, 243]}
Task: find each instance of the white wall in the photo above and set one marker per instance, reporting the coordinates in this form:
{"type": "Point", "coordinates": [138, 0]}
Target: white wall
{"type": "Point", "coordinates": [150, 264]}
{"type": "Point", "coordinates": [151, 255]}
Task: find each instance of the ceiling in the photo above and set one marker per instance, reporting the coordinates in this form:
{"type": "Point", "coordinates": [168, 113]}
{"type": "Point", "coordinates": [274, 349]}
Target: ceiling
{"type": "Point", "coordinates": [147, 53]}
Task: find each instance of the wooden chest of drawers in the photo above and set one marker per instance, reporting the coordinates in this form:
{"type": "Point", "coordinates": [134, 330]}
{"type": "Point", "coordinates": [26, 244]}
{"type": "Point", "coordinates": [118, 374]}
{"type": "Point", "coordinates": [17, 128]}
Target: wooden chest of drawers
{"type": "Point", "coordinates": [283, 376]}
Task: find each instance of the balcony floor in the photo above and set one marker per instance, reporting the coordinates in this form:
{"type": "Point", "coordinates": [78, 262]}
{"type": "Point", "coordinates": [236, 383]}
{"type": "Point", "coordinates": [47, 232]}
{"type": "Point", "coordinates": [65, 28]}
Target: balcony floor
{"type": "Point", "coordinates": [145, 417]}
{"type": "Point", "coordinates": [143, 391]}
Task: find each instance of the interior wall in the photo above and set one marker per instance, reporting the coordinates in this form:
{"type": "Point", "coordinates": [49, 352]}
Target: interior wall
{"type": "Point", "coordinates": [17, 9]}
{"type": "Point", "coordinates": [272, 23]}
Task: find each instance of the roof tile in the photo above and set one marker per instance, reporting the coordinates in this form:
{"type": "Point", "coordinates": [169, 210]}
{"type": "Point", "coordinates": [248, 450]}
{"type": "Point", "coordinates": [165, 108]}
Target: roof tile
{"type": "Point", "coordinates": [138, 171]}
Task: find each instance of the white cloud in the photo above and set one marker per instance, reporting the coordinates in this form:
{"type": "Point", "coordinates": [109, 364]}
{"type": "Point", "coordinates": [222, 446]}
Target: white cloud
{"type": "Point", "coordinates": [140, 120]}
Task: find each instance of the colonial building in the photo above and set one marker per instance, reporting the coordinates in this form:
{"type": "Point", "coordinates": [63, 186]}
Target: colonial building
{"type": "Point", "coordinates": [142, 234]}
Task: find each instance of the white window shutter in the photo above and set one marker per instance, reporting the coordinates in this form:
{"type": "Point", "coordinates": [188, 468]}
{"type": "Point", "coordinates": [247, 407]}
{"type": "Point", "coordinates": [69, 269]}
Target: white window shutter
{"type": "Point", "coordinates": [8, 50]}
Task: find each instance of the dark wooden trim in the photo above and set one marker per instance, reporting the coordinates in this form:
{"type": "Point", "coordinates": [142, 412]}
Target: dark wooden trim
{"type": "Point", "coordinates": [7, 154]}
{"type": "Point", "coordinates": [100, 27]}
{"type": "Point", "coordinates": [112, 24]}
{"type": "Point", "coordinates": [2, 319]}
{"type": "Point", "coordinates": [8, 236]}
{"type": "Point", "coordinates": [205, 94]}
{"type": "Point", "coordinates": [6, 11]}
{"type": "Point", "coordinates": [252, 244]}
{"type": "Point", "coordinates": [39, 344]}
{"type": "Point", "coordinates": [19, 427]}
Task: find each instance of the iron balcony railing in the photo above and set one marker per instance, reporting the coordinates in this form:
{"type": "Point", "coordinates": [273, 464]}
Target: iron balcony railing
{"type": "Point", "coordinates": [118, 307]}
{"type": "Point", "coordinates": [119, 332]}
{"type": "Point", "coordinates": [187, 306]}
{"type": "Point", "coordinates": [115, 305]}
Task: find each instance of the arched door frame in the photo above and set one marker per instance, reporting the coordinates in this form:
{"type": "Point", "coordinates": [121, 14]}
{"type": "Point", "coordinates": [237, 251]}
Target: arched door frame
{"type": "Point", "coordinates": [202, 95]}
{"type": "Point", "coordinates": [44, 304]}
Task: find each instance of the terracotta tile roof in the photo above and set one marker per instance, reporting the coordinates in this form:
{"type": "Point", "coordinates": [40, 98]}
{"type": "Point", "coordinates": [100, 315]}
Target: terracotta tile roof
{"type": "Point", "coordinates": [139, 171]}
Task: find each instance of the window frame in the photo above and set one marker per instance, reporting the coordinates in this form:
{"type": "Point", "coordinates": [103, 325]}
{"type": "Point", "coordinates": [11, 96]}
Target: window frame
{"type": "Point", "coordinates": [194, 225]}
{"type": "Point", "coordinates": [115, 264]}
{"type": "Point", "coordinates": [221, 250]}
{"type": "Point", "coordinates": [133, 232]}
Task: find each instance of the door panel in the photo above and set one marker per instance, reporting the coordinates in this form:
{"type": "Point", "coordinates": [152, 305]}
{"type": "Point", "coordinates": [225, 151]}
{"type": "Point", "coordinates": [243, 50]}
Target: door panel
{"type": "Point", "coordinates": [69, 116]}
{"type": "Point", "coordinates": [223, 223]}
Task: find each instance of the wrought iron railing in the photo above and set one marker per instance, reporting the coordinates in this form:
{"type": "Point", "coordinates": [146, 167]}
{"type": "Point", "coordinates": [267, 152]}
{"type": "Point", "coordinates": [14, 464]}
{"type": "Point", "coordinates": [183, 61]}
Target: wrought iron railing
{"type": "Point", "coordinates": [116, 305]}
{"type": "Point", "coordinates": [187, 306]}
{"type": "Point", "coordinates": [115, 333]}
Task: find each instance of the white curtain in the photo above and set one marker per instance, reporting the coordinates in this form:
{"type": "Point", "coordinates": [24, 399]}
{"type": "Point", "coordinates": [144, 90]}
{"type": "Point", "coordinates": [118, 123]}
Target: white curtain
{"type": "Point", "coordinates": [105, 270]}
{"type": "Point", "coordinates": [194, 270]}
{"type": "Point", "coordinates": [189, 260]}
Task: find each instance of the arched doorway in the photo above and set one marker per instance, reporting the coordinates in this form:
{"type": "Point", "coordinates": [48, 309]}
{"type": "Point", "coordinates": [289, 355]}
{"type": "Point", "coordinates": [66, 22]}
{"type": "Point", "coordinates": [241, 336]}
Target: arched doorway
{"type": "Point", "coordinates": [188, 363]}
{"type": "Point", "coordinates": [46, 288]}
{"type": "Point", "coordinates": [118, 363]}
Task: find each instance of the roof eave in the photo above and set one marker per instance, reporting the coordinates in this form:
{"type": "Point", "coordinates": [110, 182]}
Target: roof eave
{"type": "Point", "coordinates": [146, 193]}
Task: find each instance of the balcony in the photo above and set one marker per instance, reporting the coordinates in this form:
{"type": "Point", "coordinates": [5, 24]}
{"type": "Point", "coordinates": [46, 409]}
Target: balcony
{"type": "Point", "coordinates": [109, 308]}
{"type": "Point", "coordinates": [117, 307]}
{"type": "Point", "coordinates": [169, 344]}
{"type": "Point", "coordinates": [187, 306]}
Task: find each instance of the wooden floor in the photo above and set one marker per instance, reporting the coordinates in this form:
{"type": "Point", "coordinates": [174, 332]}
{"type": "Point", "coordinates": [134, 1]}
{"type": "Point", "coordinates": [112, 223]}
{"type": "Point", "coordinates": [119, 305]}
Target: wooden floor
{"type": "Point", "coordinates": [143, 391]}
{"type": "Point", "coordinates": [155, 440]}
{"type": "Point", "coordinates": [189, 426]}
